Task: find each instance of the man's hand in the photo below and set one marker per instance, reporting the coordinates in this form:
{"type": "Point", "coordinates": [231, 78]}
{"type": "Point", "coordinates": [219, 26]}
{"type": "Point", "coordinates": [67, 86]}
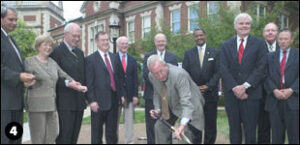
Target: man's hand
{"type": "Point", "coordinates": [278, 94]}
{"type": "Point", "coordinates": [287, 93]}
{"type": "Point", "coordinates": [203, 88]}
{"type": "Point", "coordinates": [135, 100]}
{"type": "Point", "coordinates": [154, 111]}
{"type": "Point", "coordinates": [29, 83]}
{"type": "Point", "coordinates": [239, 90]}
{"type": "Point", "coordinates": [179, 131]}
{"type": "Point", "coordinates": [26, 77]}
{"type": "Point", "coordinates": [94, 106]}
{"type": "Point", "coordinates": [123, 100]}
{"type": "Point", "coordinates": [244, 96]}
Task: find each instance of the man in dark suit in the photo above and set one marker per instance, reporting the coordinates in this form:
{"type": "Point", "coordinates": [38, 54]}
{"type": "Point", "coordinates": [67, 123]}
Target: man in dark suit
{"type": "Point", "coordinates": [70, 103]}
{"type": "Point", "coordinates": [282, 86]}
{"type": "Point", "coordinates": [104, 90]}
{"type": "Point", "coordinates": [160, 41]}
{"type": "Point", "coordinates": [202, 64]}
{"type": "Point", "coordinates": [12, 76]}
{"type": "Point", "coordinates": [130, 85]}
{"type": "Point", "coordinates": [264, 128]}
{"type": "Point", "coordinates": [242, 65]}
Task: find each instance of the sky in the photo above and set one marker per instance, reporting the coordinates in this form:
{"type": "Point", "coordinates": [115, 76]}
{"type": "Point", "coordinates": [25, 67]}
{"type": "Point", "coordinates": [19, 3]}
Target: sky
{"type": "Point", "coordinates": [71, 9]}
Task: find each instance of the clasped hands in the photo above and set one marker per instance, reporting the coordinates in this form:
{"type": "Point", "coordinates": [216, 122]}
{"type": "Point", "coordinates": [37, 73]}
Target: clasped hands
{"type": "Point", "coordinates": [77, 86]}
{"type": "Point", "coordinates": [283, 94]}
{"type": "Point", "coordinates": [27, 78]}
{"type": "Point", "coordinates": [240, 92]}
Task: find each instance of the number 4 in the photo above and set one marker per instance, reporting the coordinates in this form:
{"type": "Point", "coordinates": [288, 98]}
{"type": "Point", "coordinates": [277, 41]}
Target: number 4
{"type": "Point", "coordinates": [14, 131]}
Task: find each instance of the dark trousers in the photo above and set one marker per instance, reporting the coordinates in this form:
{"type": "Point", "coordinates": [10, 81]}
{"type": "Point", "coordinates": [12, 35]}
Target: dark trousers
{"type": "Point", "coordinates": [242, 112]}
{"type": "Point", "coordinates": [283, 118]}
{"type": "Point", "coordinates": [6, 118]}
{"type": "Point", "coordinates": [110, 119]}
{"type": "Point", "coordinates": [264, 126]}
{"type": "Point", "coordinates": [210, 131]}
{"type": "Point", "coordinates": [150, 122]}
{"type": "Point", "coordinates": [69, 126]}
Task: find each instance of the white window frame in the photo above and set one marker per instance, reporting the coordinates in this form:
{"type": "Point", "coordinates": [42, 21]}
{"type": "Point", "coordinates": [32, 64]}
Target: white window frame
{"type": "Point", "coordinates": [131, 40]}
{"type": "Point", "coordinates": [189, 19]}
{"type": "Point", "coordinates": [171, 20]}
{"type": "Point", "coordinates": [208, 8]}
{"type": "Point", "coordinates": [281, 21]}
{"type": "Point", "coordinates": [145, 15]}
{"type": "Point", "coordinates": [258, 13]}
{"type": "Point", "coordinates": [96, 6]}
{"type": "Point", "coordinates": [93, 29]}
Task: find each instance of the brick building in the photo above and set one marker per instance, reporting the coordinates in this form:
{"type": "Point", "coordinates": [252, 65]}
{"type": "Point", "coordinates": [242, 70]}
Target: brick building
{"type": "Point", "coordinates": [137, 17]}
{"type": "Point", "coordinates": [41, 15]}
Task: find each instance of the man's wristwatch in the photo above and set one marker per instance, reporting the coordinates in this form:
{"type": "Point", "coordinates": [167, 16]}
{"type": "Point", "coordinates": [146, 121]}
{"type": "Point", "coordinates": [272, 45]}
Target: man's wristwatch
{"type": "Point", "coordinates": [246, 85]}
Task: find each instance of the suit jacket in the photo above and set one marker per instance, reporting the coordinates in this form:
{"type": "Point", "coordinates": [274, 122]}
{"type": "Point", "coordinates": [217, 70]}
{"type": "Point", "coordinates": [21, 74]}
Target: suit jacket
{"type": "Point", "coordinates": [183, 95]}
{"type": "Point", "coordinates": [207, 75]}
{"type": "Point", "coordinates": [251, 69]}
{"type": "Point", "coordinates": [12, 94]}
{"type": "Point", "coordinates": [98, 80]}
{"type": "Point", "coordinates": [42, 95]}
{"type": "Point", "coordinates": [130, 77]}
{"type": "Point", "coordinates": [67, 98]}
{"type": "Point", "coordinates": [291, 76]}
{"type": "Point", "coordinates": [169, 58]}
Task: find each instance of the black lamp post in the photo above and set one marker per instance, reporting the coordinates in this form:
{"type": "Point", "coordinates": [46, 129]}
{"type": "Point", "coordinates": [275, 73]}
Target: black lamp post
{"type": "Point", "coordinates": [114, 33]}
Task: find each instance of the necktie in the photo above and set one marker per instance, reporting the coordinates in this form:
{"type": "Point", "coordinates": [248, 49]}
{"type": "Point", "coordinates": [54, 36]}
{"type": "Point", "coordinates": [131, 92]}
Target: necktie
{"type": "Point", "coordinates": [161, 55]}
{"type": "Point", "coordinates": [271, 48]}
{"type": "Point", "coordinates": [201, 56]}
{"type": "Point", "coordinates": [111, 75]}
{"type": "Point", "coordinates": [241, 51]}
{"type": "Point", "coordinates": [124, 62]}
{"type": "Point", "coordinates": [164, 103]}
{"type": "Point", "coordinates": [282, 67]}
{"type": "Point", "coordinates": [16, 50]}
{"type": "Point", "coordinates": [73, 52]}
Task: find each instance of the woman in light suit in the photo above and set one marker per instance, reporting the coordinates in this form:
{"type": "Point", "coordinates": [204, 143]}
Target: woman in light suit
{"type": "Point", "coordinates": [40, 100]}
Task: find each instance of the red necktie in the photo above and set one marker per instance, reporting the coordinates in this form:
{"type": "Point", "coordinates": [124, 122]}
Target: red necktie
{"type": "Point", "coordinates": [282, 67]}
{"type": "Point", "coordinates": [111, 75]}
{"type": "Point", "coordinates": [241, 51]}
{"type": "Point", "coordinates": [124, 62]}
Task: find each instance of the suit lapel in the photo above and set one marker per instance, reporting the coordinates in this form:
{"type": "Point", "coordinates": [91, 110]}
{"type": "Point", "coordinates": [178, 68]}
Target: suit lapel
{"type": "Point", "coordinates": [69, 54]}
{"type": "Point", "coordinates": [233, 50]}
{"type": "Point", "coordinates": [99, 59]}
{"type": "Point", "coordinates": [247, 48]}
{"type": "Point", "coordinates": [277, 62]}
{"type": "Point", "coordinates": [16, 55]}
{"type": "Point", "coordinates": [291, 59]}
{"type": "Point", "coordinates": [205, 59]}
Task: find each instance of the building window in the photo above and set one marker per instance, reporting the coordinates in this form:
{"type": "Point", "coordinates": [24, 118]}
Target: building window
{"type": "Point", "coordinates": [96, 6]}
{"type": "Point", "coordinates": [175, 21]}
{"type": "Point", "coordinates": [146, 26]}
{"type": "Point", "coordinates": [193, 17]}
{"type": "Point", "coordinates": [259, 11]}
{"type": "Point", "coordinates": [212, 9]}
{"type": "Point", "coordinates": [130, 31]}
{"type": "Point", "coordinates": [283, 21]}
{"type": "Point", "coordinates": [93, 30]}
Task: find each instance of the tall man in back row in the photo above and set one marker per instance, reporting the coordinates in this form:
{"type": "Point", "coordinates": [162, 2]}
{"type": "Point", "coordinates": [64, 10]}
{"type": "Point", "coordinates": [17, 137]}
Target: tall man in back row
{"type": "Point", "coordinates": [160, 41]}
{"type": "Point", "coordinates": [243, 69]}
{"type": "Point", "coordinates": [175, 96]}
{"type": "Point", "coordinates": [70, 103]}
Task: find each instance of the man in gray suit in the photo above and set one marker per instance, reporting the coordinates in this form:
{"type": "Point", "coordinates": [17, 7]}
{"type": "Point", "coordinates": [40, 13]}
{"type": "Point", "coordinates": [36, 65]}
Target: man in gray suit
{"type": "Point", "coordinates": [12, 75]}
{"type": "Point", "coordinates": [175, 96]}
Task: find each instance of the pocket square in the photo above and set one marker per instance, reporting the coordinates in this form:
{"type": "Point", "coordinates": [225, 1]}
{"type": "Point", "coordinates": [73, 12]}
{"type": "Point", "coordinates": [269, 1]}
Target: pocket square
{"type": "Point", "coordinates": [210, 59]}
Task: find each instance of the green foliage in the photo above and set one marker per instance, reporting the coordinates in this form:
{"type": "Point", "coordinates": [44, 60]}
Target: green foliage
{"type": "Point", "coordinates": [25, 37]}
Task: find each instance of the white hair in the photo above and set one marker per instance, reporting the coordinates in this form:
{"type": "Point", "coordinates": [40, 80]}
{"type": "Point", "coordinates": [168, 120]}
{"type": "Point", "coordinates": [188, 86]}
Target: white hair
{"type": "Point", "coordinates": [159, 34]}
{"type": "Point", "coordinates": [242, 15]}
{"type": "Point", "coordinates": [153, 59]}
{"type": "Point", "coordinates": [70, 26]}
{"type": "Point", "coordinates": [120, 38]}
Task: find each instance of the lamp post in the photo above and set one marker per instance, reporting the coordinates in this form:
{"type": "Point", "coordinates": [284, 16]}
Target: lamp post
{"type": "Point", "coordinates": [114, 33]}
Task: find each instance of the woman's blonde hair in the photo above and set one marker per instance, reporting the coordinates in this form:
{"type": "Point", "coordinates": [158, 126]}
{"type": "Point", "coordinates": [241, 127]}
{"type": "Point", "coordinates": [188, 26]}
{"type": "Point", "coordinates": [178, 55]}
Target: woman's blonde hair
{"type": "Point", "coordinates": [41, 39]}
